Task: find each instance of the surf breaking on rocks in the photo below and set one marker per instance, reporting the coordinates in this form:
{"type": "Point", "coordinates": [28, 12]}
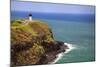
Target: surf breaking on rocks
{"type": "Point", "coordinates": [60, 55]}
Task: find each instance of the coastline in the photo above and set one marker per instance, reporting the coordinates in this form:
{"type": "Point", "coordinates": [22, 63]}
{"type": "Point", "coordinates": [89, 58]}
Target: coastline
{"type": "Point", "coordinates": [60, 55]}
{"type": "Point", "coordinates": [51, 52]}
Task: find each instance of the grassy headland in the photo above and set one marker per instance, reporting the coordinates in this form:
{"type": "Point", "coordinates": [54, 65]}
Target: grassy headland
{"type": "Point", "coordinates": [33, 42]}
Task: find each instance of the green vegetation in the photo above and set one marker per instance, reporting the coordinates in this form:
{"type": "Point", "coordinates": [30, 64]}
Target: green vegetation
{"type": "Point", "coordinates": [27, 40]}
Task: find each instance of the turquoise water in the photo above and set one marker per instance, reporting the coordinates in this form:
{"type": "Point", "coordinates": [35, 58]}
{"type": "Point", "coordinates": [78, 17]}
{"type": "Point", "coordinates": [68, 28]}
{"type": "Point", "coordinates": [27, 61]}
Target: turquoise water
{"type": "Point", "coordinates": [80, 34]}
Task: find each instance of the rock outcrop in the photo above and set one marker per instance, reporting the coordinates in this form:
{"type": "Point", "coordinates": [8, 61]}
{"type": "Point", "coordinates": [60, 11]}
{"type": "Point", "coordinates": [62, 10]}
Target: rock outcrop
{"type": "Point", "coordinates": [32, 42]}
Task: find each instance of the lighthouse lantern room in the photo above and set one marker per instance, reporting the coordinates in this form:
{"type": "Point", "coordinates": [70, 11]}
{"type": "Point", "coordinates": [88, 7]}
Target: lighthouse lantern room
{"type": "Point", "coordinates": [30, 17]}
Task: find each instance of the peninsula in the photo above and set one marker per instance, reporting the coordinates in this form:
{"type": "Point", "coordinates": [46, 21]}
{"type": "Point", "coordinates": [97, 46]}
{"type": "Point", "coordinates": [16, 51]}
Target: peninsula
{"type": "Point", "coordinates": [33, 43]}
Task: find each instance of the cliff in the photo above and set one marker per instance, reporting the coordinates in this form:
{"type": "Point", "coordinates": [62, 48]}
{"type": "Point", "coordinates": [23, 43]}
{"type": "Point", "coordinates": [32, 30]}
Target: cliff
{"type": "Point", "coordinates": [32, 42]}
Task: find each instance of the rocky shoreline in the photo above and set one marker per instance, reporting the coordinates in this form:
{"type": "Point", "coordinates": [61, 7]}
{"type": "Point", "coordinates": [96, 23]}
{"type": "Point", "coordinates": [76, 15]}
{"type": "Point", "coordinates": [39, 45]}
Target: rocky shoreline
{"type": "Point", "coordinates": [49, 57]}
{"type": "Point", "coordinates": [33, 43]}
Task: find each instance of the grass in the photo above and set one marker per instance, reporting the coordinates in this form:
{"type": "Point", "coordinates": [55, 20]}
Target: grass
{"type": "Point", "coordinates": [32, 33]}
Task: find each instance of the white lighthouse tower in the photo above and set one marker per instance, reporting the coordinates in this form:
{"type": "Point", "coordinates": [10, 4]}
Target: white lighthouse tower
{"type": "Point", "coordinates": [30, 17]}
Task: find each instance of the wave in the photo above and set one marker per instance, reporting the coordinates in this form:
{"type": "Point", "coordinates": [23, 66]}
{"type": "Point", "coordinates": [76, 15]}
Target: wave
{"type": "Point", "coordinates": [60, 55]}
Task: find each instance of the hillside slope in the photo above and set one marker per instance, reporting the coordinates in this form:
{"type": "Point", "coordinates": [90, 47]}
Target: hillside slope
{"type": "Point", "coordinates": [32, 42]}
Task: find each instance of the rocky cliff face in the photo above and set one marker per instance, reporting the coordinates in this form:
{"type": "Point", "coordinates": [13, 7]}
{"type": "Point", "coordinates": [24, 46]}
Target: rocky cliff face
{"type": "Point", "coordinates": [32, 42]}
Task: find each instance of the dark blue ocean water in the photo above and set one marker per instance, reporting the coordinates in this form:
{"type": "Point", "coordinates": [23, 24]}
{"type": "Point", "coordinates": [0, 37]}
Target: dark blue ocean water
{"type": "Point", "coordinates": [54, 16]}
{"type": "Point", "coordinates": [78, 30]}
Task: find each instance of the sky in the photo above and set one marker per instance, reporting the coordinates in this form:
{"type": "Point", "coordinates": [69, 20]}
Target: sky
{"type": "Point", "coordinates": [52, 8]}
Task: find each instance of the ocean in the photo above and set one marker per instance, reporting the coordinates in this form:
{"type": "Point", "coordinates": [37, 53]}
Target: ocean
{"type": "Point", "coordinates": [80, 34]}
{"type": "Point", "coordinates": [77, 30]}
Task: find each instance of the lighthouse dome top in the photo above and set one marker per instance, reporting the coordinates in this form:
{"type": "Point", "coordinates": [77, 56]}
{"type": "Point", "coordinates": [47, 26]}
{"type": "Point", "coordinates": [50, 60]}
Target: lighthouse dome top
{"type": "Point", "coordinates": [30, 14]}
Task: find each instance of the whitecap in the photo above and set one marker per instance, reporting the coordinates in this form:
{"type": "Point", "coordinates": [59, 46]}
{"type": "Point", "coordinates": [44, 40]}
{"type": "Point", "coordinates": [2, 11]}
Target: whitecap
{"type": "Point", "coordinates": [60, 55]}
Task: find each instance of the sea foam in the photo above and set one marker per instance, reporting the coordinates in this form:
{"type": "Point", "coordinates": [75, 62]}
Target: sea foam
{"type": "Point", "coordinates": [60, 55]}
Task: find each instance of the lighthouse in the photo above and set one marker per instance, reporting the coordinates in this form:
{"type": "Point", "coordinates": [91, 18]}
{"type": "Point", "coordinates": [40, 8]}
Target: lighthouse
{"type": "Point", "coordinates": [30, 17]}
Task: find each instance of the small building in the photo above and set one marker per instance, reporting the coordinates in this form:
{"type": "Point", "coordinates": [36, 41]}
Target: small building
{"type": "Point", "coordinates": [30, 17]}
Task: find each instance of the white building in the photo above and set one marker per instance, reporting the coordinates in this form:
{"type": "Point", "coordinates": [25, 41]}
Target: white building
{"type": "Point", "coordinates": [30, 17]}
